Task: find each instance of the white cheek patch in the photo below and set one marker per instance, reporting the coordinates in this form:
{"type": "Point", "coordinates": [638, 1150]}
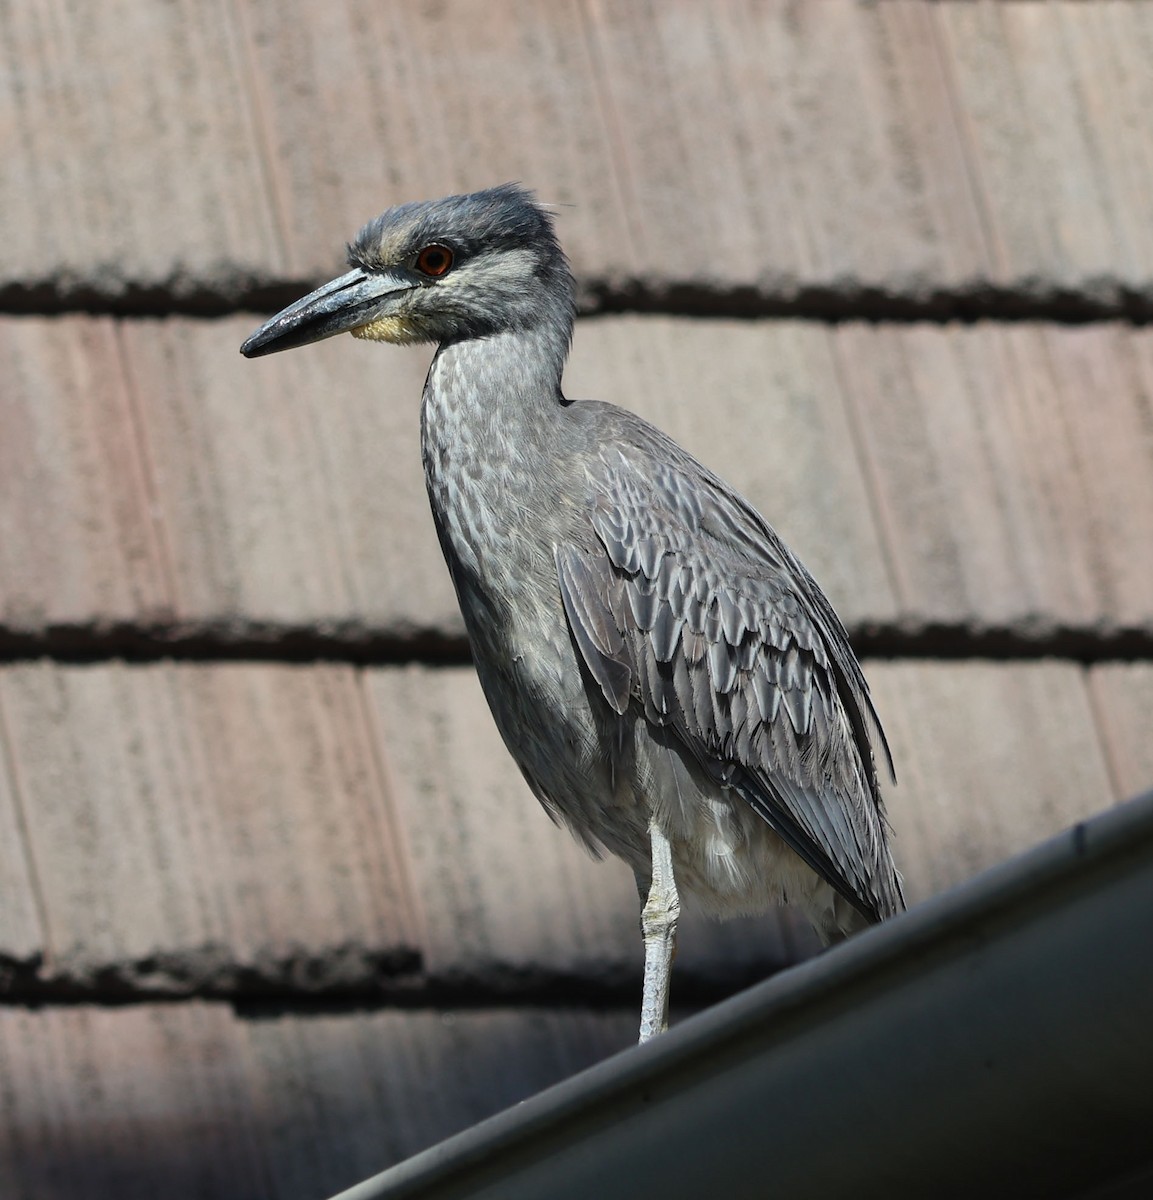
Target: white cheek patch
{"type": "Point", "coordinates": [510, 271]}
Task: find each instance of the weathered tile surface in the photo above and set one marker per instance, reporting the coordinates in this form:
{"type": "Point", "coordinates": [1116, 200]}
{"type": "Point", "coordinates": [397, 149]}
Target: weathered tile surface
{"type": "Point", "coordinates": [501, 887]}
{"type": "Point", "coordinates": [929, 474]}
{"type": "Point", "coordinates": [906, 148]}
{"type": "Point", "coordinates": [207, 826]}
{"type": "Point", "coordinates": [190, 1102]}
{"type": "Point", "coordinates": [991, 758]}
{"type": "Point", "coordinates": [246, 829]}
{"type": "Point", "coordinates": [1051, 100]}
{"type": "Point", "coordinates": [127, 1102]}
{"type": "Point", "coordinates": [371, 1089]}
{"type": "Point", "coordinates": [1092, 458]}
{"type": "Point", "coordinates": [77, 538]}
{"type": "Point", "coordinates": [130, 145]}
{"type": "Point", "coordinates": [291, 487]}
{"type": "Point", "coordinates": [21, 934]}
{"type": "Point", "coordinates": [509, 897]}
{"type": "Point", "coordinates": [831, 167]}
{"type": "Point", "coordinates": [370, 106]}
{"type": "Point", "coordinates": [761, 403]}
{"type": "Point", "coordinates": [230, 818]}
{"type": "Point", "coordinates": [1123, 699]}
{"type": "Point", "coordinates": [288, 492]}
{"type": "Point", "coordinates": [1001, 458]}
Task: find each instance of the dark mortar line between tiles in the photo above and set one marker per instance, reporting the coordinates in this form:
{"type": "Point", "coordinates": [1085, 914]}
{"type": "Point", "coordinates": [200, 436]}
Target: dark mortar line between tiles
{"type": "Point", "coordinates": [837, 305]}
{"type": "Point", "coordinates": [545, 990]}
{"type": "Point", "coordinates": [256, 998]}
{"type": "Point", "coordinates": [357, 646]}
{"type": "Point", "coordinates": [1107, 301]}
{"type": "Point", "coordinates": [228, 643]}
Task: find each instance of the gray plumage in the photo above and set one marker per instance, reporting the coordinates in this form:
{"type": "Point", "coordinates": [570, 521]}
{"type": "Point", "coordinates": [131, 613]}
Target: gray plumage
{"type": "Point", "coordinates": [657, 661]}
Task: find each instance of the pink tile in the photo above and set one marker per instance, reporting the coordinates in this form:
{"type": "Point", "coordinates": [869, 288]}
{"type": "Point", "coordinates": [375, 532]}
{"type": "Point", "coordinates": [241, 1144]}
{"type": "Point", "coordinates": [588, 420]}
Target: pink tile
{"type": "Point", "coordinates": [131, 151]}
{"type": "Point", "coordinates": [78, 538]}
{"type": "Point", "coordinates": [126, 1102]}
{"type": "Point", "coordinates": [208, 826]}
{"type": "Point", "coordinates": [1122, 695]}
{"type": "Point", "coordinates": [991, 758]}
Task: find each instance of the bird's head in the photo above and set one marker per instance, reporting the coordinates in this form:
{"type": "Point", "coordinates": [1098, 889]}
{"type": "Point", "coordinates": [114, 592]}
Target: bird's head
{"type": "Point", "coordinates": [438, 271]}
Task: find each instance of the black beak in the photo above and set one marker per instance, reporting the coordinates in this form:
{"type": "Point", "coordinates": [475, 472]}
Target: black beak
{"type": "Point", "coordinates": [335, 307]}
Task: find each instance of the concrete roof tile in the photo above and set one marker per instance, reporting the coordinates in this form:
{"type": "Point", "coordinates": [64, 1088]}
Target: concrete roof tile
{"type": "Point", "coordinates": [132, 159]}
{"type": "Point", "coordinates": [367, 107]}
{"type": "Point", "coordinates": [22, 937]}
{"type": "Point", "coordinates": [1123, 700]}
{"type": "Point", "coordinates": [291, 487]}
{"type": "Point", "coordinates": [500, 887]}
{"type": "Point", "coordinates": [925, 473]}
{"type": "Point", "coordinates": [374, 1088]}
{"type": "Point", "coordinates": [830, 169]}
{"type": "Point", "coordinates": [77, 536]}
{"type": "Point", "coordinates": [190, 1100]}
{"type": "Point", "coordinates": [997, 486]}
{"type": "Point", "coordinates": [126, 1102]}
{"type": "Point", "coordinates": [204, 826]}
{"type": "Point", "coordinates": [762, 405]}
{"type": "Point", "coordinates": [1095, 449]}
{"type": "Point", "coordinates": [991, 758]}
{"type": "Point", "coordinates": [1050, 100]}
{"type": "Point", "coordinates": [507, 896]}
{"type": "Point", "coordinates": [292, 494]}
{"type": "Point", "coordinates": [254, 826]}
{"type": "Point", "coordinates": [907, 148]}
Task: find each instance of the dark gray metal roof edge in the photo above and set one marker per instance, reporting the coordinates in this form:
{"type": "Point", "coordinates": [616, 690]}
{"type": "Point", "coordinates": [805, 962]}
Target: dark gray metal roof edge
{"type": "Point", "coordinates": [996, 1038]}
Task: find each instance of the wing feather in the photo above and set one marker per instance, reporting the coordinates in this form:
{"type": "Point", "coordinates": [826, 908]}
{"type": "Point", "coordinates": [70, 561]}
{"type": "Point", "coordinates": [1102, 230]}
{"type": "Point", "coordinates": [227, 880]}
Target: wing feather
{"type": "Point", "coordinates": [597, 634]}
{"type": "Point", "coordinates": [689, 605]}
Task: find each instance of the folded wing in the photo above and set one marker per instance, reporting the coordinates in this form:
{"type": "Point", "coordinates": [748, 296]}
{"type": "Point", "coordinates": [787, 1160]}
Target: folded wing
{"type": "Point", "coordinates": [687, 604]}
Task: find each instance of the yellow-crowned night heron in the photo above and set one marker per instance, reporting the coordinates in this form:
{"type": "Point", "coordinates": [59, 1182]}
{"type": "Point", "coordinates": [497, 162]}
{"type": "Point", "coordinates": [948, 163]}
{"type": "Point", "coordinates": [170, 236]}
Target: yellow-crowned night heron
{"type": "Point", "coordinates": [672, 682]}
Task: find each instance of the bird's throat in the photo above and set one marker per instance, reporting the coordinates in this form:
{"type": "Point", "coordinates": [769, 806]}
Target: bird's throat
{"type": "Point", "coordinates": [400, 330]}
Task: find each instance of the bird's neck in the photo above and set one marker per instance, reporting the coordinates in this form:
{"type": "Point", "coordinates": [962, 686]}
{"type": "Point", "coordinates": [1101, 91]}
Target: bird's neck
{"type": "Point", "coordinates": [488, 432]}
{"type": "Point", "coordinates": [489, 396]}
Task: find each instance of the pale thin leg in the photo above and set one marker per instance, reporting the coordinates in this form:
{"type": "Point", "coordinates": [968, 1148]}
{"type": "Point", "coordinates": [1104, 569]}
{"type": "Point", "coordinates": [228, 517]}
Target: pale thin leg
{"type": "Point", "coordinates": [659, 926]}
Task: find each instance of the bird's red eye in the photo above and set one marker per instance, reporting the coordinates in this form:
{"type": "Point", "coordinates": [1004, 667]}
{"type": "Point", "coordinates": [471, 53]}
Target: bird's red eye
{"type": "Point", "coordinates": [434, 260]}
